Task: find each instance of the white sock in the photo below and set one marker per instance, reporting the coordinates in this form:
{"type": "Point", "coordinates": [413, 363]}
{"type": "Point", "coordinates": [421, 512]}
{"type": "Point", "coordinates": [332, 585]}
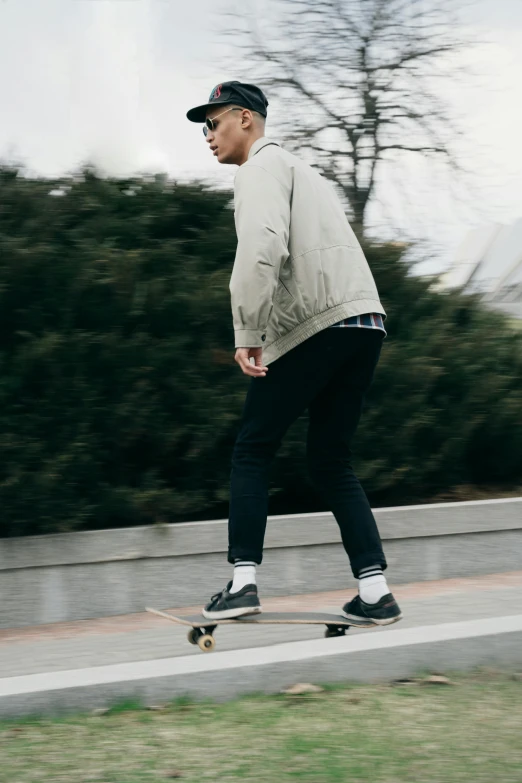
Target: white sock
{"type": "Point", "coordinates": [372, 584]}
{"type": "Point", "coordinates": [244, 574]}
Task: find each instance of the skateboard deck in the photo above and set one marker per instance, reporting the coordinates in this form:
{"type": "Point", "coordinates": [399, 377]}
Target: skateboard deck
{"type": "Point", "coordinates": [202, 628]}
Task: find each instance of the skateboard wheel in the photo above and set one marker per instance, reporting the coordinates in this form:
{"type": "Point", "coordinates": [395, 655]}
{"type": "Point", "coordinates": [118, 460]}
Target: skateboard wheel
{"type": "Point", "coordinates": [193, 635]}
{"type": "Point", "coordinates": [206, 642]}
{"type": "Point", "coordinates": [332, 631]}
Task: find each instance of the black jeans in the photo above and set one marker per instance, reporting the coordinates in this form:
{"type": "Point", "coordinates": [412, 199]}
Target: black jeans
{"type": "Point", "coordinates": [328, 374]}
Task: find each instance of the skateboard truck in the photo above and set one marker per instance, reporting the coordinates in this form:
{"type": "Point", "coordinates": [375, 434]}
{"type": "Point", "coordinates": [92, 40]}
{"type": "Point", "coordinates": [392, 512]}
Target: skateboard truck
{"type": "Point", "coordinates": [335, 630]}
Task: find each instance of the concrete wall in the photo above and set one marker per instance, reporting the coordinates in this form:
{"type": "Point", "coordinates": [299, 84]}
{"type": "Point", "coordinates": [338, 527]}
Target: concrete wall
{"type": "Point", "coordinates": [73, 576]}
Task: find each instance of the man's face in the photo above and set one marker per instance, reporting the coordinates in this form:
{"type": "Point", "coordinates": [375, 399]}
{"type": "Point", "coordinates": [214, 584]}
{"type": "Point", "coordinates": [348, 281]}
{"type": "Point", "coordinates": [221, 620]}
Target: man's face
{"type": "Point", "coordinates": [227, 139]}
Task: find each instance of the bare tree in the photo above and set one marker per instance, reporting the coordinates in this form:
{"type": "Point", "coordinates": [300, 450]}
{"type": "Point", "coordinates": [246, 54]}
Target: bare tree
{"type": "Point", "coordinates": [360, 81]}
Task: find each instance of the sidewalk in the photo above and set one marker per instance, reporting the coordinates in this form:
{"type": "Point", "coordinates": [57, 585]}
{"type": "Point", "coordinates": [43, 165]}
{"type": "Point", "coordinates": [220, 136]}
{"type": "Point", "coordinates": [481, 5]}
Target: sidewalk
{"type": "Point", "coordinates": [139, 637]}
{"type": "Point", "coordinates": [88, 644]}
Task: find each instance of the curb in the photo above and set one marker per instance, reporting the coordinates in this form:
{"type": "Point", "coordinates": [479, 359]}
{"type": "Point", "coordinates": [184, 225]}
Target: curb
{"type": "Point", "coordinates": [221, 676]}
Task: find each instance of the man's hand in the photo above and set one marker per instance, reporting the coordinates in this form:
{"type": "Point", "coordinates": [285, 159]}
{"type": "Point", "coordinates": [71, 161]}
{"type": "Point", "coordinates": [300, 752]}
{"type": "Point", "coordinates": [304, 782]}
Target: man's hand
{"type": "Point", "coordinates": [243, 356]}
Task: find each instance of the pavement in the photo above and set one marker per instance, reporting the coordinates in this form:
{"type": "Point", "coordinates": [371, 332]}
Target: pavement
{"type": "Point", "coordinates": [459, 623]}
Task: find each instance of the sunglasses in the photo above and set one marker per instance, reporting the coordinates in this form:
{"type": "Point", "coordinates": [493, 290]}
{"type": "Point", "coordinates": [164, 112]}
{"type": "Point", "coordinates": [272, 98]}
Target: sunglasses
{"type": "Point", "coordinates": [210, 123]}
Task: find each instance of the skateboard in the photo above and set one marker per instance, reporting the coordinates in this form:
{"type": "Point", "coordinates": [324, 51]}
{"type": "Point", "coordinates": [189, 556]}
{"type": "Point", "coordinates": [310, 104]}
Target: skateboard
{"type": "Point", "coordinates": [202, 629]}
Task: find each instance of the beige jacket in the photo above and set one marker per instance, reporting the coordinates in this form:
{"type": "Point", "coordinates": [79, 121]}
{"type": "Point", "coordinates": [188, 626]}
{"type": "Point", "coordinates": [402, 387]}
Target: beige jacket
{"type": "Point", "coordinates": [299, 267]}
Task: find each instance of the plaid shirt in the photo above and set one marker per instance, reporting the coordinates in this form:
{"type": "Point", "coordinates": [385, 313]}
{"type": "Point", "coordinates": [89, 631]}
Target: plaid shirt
{"type": "Point", "coordinates": [366, 321]}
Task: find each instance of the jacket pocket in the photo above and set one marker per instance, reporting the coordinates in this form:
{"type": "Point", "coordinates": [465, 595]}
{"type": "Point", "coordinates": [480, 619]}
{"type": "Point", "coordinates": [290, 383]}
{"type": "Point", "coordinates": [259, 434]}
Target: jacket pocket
{"type": "Point", "coordinates": [282, 295]}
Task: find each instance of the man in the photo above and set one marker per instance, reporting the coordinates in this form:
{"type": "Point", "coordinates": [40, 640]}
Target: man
{"type": "Point", "coordinates": [299, 271]}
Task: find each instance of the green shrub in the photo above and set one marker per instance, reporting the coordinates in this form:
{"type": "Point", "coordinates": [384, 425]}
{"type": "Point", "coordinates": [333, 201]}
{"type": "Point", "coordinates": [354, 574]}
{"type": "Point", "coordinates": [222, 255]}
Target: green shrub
{"type": "Point", "coordinates": [119, 395]}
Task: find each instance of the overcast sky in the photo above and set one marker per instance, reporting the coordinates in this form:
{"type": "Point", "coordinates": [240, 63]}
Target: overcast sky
{"type": "Point", "coordinates": [111, 81]}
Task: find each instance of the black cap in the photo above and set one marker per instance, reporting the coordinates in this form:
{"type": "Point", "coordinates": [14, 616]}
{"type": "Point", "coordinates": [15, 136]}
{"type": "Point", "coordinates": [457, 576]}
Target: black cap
{"type": "Point", "coordinates": [247, 95]}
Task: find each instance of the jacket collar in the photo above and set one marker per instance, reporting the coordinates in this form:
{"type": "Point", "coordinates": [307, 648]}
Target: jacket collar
{"type": "Point", "coordinates": [259, 144]}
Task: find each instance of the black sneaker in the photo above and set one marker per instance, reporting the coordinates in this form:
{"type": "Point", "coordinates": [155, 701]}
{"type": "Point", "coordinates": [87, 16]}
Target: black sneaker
{"type": "Point", "coordinates": [225, 605]}
{"type": "Point", "coordinates": [384, 612]}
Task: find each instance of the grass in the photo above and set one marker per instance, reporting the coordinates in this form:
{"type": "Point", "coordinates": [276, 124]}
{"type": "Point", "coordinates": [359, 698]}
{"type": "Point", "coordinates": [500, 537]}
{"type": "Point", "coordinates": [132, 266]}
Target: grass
{"type": "Point", "coordinates": [468, 731]}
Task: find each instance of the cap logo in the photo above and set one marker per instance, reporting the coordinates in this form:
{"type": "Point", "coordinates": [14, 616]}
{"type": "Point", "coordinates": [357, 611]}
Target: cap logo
{"type": "Point", "coordinates": [216, 92]}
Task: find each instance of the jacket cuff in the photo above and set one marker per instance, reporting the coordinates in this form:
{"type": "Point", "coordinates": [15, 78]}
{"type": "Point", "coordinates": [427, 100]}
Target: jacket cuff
{"type": "Point", "coordinates": [246, 338]}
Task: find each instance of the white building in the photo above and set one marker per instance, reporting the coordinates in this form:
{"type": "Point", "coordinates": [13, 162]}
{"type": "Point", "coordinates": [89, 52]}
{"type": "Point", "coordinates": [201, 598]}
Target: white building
{"type": "Point", "coordinates": [489, 262]}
